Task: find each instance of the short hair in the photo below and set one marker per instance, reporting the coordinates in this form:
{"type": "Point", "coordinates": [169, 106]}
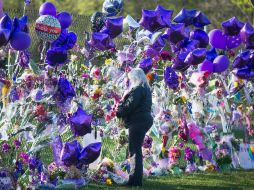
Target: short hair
{"type": "Point", "coordinates": [138, 77]}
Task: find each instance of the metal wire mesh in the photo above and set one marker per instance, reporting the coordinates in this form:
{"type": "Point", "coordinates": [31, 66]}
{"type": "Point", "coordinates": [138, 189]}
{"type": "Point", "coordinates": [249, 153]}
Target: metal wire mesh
{"type": "Point", "coordinates": [80, 24]}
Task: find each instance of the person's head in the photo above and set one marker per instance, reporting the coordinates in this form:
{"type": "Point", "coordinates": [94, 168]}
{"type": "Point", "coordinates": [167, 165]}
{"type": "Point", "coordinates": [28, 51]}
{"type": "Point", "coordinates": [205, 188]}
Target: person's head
{"type": "Point", "coordinates": [137, 77]}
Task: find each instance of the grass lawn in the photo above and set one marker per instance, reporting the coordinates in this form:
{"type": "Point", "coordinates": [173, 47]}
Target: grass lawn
{"type": "Point", "coordinates": [234, 180]}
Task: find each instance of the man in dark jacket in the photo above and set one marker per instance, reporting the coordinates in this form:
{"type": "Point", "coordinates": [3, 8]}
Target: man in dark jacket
{"type": "Point", "coordinates": [135, 110]}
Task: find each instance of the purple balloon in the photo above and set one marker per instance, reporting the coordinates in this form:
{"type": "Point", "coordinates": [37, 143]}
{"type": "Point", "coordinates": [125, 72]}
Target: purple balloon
{"type": "Point", "coordinates": [23, 24]}
{"type": "Point", "coordinates": [5, 30]}
{"type": "Point", "coordinates": [232, 26]}
{"type": "Point", "coordinates": [70, 153]}
{"type": "Point", "coordinates": [20, 41]}
{"type": "Point", "coordinates": [196, 57]}
{"type": "Point", "coordinates": [146, 64]}
{"type": "Point", "coordinates": [171, 78]}
{"type": "Point", "coordinates": [220, 64]}
{"type": "Point", "coordinates": [217, 39]}
{"type": "Point", "coordinates": [201, 20]}
{"type": "Point", "coordinates": [65, 19]}
{"type": "Point", "coordinates": [101, 41]}
{"type": "Point", "coordinates": [175, 33]}
{"type": "Point", "coordinates": [80, 123]}
{"type": "Point", "coordinates": [6, 22]}
{"type": "Point", "coordinates": [247, 35]}
{"type": "Point", "coordinates": [71, 40]}
{"type": "Point", "coordinates": [165, 14]}
{"type": "Point", "coordinates": [150, 52]}
{"type": "Point", "coordinates": [233, 41]}
{"type": "Point", "coordinates": [211, 54]}
{"type": "Point", "coordinates": [47, 8]}
{"type": "Point", "coordinates": [113, 27]}
{"type": "Point", "coordinates": [154, 20]}
{"type": "Point", "coordinates": [244, 73]}
{"type": "Point", "coordinates": [57, 146]}
{"type": "Point", "coordinates": [159, 44]}
{"type": "Point", "coordinates": [178, 62]}
{"type": "Point", "coordinates": [206, 66]}
{"type": "Point", "coordinates": [185, 16]}
{"type": "Point", "coordinates": [241, 60]}
{"type": "Point", "coordinates": [188, 45]}
{"type": "Point", "coordinates": [200, 36]}
{"type": "Point", "coordinates": [90, 153]}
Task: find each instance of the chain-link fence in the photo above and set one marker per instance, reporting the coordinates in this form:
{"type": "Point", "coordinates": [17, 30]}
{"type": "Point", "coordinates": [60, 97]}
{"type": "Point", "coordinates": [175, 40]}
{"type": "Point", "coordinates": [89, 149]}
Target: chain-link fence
{"type": "Point", "coordinates": [80, 24]}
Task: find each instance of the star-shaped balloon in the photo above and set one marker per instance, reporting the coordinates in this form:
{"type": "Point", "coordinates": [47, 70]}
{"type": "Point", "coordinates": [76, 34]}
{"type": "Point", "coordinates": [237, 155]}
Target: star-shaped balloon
{"type": "Point", "coordinates": [201, 20]}
{"type": "Point", "coordinates": [247, 35]}
{"type": "Point", "coordinates": [178, 62]}
{"type": "Point", "coordinates": [175, 33]}
{"type": "Point", "coordinates": [80, 122]}
{"type": "Point", "coordinates": [101, 41]}
{"type": "Point", "coordinates": [201, 36]}
{"type": "Point", "coordinates": [165, 14]}
{"type": "Point", "coordinates": [185, 16]}
{"type": "Point", "coordinates": [154, 20]}
{"type": "Point", "coordinates": [242, 59]}
{"type": "Point", "coordinates": [5, 30]}
{"type": "Point", "coordinates": [90, 153]}
{"type": "Point", "coordinates": [113, 27]}
{"type": "Point", "coordinates": [196, 57]}
{"type": "Point", "coordinates": [232, 26]}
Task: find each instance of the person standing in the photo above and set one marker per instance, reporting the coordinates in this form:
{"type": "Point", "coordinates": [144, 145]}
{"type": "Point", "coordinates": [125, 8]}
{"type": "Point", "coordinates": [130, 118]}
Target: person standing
{"type": "Point", "coordinates": [135, 111]}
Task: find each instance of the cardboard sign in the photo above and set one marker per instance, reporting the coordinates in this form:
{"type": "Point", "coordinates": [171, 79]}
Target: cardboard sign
{"type": "Point", "coordinates": [246, 154]}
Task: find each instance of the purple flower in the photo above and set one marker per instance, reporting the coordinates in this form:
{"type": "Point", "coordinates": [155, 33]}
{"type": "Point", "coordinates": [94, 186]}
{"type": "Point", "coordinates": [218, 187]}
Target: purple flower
{"type": "Point", "coordinates": [80, 123]}
{"type": "Point", "coordinates": [35, 163]}
{"type": "Point", "coordinates": [171, 78]}
{"type": "Point", "coordinates": [24, 156]}
{"type": "Point", "coordinates": [146, 64]}
{"type": "Point", "coordinates": [14, 96]}
{"type": "Point", "coordinates": [56, 56]}
{"type": "Point", "coordinates": [148, 142]}
{"type": "Point", "coordinates": [6, 147]}
{"type": "Point", "coordinates": [188, 154]}
{"type": "Point", "coordinates": [27, 2]}
{"type": "Point", "coordinates": [17, 144]}
{"type": "Point", "coordinates": [65, 90]}
{"type": "Point", "coordinates": [24, 58]}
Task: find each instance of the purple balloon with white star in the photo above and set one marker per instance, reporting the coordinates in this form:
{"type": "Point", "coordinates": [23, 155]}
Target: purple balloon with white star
{"type": "Point", "coordinates": [232, 26]}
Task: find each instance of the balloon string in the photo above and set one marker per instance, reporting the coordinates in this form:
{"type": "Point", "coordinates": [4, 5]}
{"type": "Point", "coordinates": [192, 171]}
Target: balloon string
{"type": "Point", "coordinates": [43, 51]}
{"type": "Point", "coordinates": [247, 94]}
{"type": "Point", "coordinates": [9, 63]}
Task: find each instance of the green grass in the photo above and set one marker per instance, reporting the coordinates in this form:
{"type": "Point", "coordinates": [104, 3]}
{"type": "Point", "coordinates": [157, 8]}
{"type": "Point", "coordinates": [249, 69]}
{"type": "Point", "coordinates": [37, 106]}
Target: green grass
{"type": "Point", "coordinates": [234, 180]}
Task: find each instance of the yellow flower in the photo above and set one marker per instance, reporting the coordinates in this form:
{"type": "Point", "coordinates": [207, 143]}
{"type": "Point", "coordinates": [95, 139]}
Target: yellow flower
{"type": "Point", "coordinates": [109, 181]}
{"type": "Point", "coordinates": [236, 84]}
{"type": "Point", "coordinates": [95, 81]}
{"type": "Point", "coordinates": [98, 91]}
{"type": "Point", "coordinates": [5, 90]}
{"type": "Point", "coordinates": [108, 61]}
{"type": "Point", "coordinates": [163, 149]}
{"type": "Point", "coordinates": [84, 67]}
{"type": "Point", "coordinates": [184, 99]}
